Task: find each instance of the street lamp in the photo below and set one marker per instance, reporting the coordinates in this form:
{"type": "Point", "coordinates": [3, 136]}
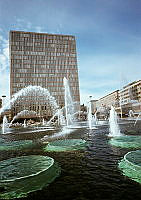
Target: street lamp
{"type": "Point", "coordinates": [3, 96]}
{"type": "Point", "coordinates": [90, 102]}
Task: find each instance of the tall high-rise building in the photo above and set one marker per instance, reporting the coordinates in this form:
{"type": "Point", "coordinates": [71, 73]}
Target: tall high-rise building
{"type": "Point", "coordinates": [42, 59]}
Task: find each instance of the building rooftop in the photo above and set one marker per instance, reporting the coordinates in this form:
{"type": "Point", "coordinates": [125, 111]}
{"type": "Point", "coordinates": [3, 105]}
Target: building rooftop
{"type": "Point", "coordinates": [51, 34]}
{"type": "Point", "coordinates": [134, 82]}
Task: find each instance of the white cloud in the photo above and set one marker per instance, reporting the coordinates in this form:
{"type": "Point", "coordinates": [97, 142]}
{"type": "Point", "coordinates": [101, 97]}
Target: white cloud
{"type": "Point", "coordinates": [4, 85]}
{"type": "Point", "coordinates": [4, 54]}
{"type": "Point", "coordinates": [4, 63]}
{"type": "Point", "coordinates": [22, 24]}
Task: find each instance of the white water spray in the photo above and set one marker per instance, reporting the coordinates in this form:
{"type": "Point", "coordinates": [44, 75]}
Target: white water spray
{"type": "Point", "coordinates": [24, 123]}
{"type": "Point", "coordinates": [34, 91]}
{"type": "Point", "coordinates": [114, 127]}
{"type": "Point", "coordinates": [90, 115]}
{"type": "Point", "coordinates": [69, 104]}
{"type": "Point", "coordinates": [5, 124]}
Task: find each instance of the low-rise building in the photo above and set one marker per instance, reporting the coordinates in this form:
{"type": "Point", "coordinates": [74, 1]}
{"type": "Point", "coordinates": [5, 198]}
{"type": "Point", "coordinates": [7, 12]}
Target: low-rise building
{"type": "Point", "coordinates": [125, 100]}
{"type": "Point", "coordinates": [108, 100]}
{"type": "Point", "coordinates": [93, 105]}
{"type": "Point", "coordinates": [130, 93]}
{"type": "Point", "coordinates": [130, 97]}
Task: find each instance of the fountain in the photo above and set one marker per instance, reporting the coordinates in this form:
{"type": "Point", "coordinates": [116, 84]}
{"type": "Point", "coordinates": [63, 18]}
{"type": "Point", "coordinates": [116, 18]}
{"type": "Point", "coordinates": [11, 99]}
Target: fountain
{"type": "Point", "coordinates": [36, 91]}
{"type": "Point", "coordinates": [15, 145]}
{"type": "Point", "coordinates": [126, 141]}
{"type": "Point", "coordinates": [114, 127]}
{"type": "Point", "coordinates": [137, 119]}
{"type": "Point", "coordinates": [43, 122]}
{"type": "Point", "coordinates": [15, 182]}
{"type": "Point", "coordinates": [95, 118]}
{"type": "Point", "coordinates": [90, 114]}
{"type": "Point", "coordinates": [22, 179]}
{"type": "Point", "coordinates": [65, 145]}
{"type": "Point", "coordinates": [5, 124]}
{"type": "Point", "coordinates": [61, 119]}
{"type": "Point", "coordinates": [131, 113]}
{"type": "Point", "coordinates": [69, 104]}
{"type": "Point", "coordinates": [24, 114]}
{"type": "Point", "coordinates": [131, 165]}
{"type": "Point", "coordinates": [25, 123]}
{"type": "Point", "coordinates": [119, 139]}
{"type": "Point", "coordinates": [91, 120]}
{"type": "Point", "coordinates": [59, 115]}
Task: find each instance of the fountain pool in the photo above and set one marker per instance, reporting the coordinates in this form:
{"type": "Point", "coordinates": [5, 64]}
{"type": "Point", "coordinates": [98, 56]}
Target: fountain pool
{"type": "Point", "coordinates": [131, 165]}
{"type": "Point", "coordinates": [65, 145]}
{"type": "Point", "coordinates": [22, 175]}
{"type": "Point", "coordinates": [90, 173]}
{"type": "Point", "coordinates": [126, 141]}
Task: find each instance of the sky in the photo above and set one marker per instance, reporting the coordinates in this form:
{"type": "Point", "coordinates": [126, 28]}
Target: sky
{"type": "Point", "coordinates": [108, 38]}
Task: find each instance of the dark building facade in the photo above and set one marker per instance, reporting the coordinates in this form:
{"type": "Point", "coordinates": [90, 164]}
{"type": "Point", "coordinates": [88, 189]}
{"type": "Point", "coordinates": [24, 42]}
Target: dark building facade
{"type": "Point", "coordinates": [41, 59]}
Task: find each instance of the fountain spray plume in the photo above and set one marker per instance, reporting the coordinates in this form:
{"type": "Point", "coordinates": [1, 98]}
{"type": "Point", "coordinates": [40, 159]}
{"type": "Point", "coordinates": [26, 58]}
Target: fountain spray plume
{"type": "Point", "coordinates": [137, 119]}
{"type": "Point", "coordinates": [24, 113]}
{"type": "Point", "coordinates": [5, 124]}
{"type": "Point", "coordinates": [69, 104]}
{"type": "Point", "coordinates": [90, 114]}
{"type": "Point", "coordinates": [60, 116]}
{"type": "Point", "coordinates": [32, 91]}
{"type": "Point", "coordinates": [114, 127]}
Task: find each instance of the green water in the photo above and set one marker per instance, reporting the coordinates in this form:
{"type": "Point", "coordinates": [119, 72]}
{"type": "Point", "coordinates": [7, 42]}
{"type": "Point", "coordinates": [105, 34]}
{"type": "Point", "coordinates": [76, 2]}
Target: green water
{"type": "Point", "coordinates": [131, 165]}
{"type": "Point", "coordinates": [22, 175]}
{"type": "Point", "coordinates": [15, 145]}
{"type": "Point", "coordinates": [65, 145]}
{"type": "Point", "coordinates": [126, 141]}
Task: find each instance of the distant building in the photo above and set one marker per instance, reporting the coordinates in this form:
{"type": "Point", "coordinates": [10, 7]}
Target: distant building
{"type": "Point", "coordinates": [130, 93]}
{"type": "Point", "coordinates": [83, 112]}
{"type": "Point", "coordinates": [125, 100]}
{"type": "Point", "coordinates": [93, 105]}
{"type": "Point", "coordinates": [130, 97]}
{"type": "Point", "coordinates": [42, 59]}
{"type": "Point", "coordinates": [108, 100]}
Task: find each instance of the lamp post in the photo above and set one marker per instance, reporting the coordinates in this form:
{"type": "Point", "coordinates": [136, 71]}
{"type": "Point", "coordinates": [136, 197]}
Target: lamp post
{"type": "Point", "coordinates": [90, 104]}
{"type": "Point", "coordinates": [3, 97]}
{"type": "Point", "coordinates": [90, 114]}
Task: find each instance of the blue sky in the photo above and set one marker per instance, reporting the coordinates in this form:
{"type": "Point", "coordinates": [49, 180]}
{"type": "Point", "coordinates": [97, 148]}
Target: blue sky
{"type": "Point", "coordinates": [108, 35]}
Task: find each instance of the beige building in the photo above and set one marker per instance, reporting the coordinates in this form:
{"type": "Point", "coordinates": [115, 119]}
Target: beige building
{"type": "Point", "coordinates": [93, 105]}
{"type": "Point", "coordinates": [130, 93]}
{"type": "Point", "coordinates": [130, 97]}
{"type": "Point", "coordinates": [124, 100]}
{"type": "Point", "coordinates": [42, 59]}
{"type": "Point", "coordinates": [108, 100]}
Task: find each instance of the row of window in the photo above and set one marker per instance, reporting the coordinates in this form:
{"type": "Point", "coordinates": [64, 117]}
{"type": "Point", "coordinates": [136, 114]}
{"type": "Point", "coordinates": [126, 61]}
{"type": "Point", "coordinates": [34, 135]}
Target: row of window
{"type": "Point", "coordinates": [47, 76]}
{"type": "Point", "coordinates": [43, 45]}
{"type": "Point", "coordinates": [47, 53]}
{"type": "Point", "coordinates": [41, 36]}
{"type": "Point", "coordinates": [44, 73]}
{"type": "Point", "coordinates": [41, 41]}
{"type": "Point", "coordinates": [39, 57]}
{"type": "Point", "coordinates": [40, 49]}
{"type": "Point", "coordinates": [32, 67]}
{"type": "Point", "coordinates": [44, 62]}
{"type": "Point", "coordinates": [58, 87]}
